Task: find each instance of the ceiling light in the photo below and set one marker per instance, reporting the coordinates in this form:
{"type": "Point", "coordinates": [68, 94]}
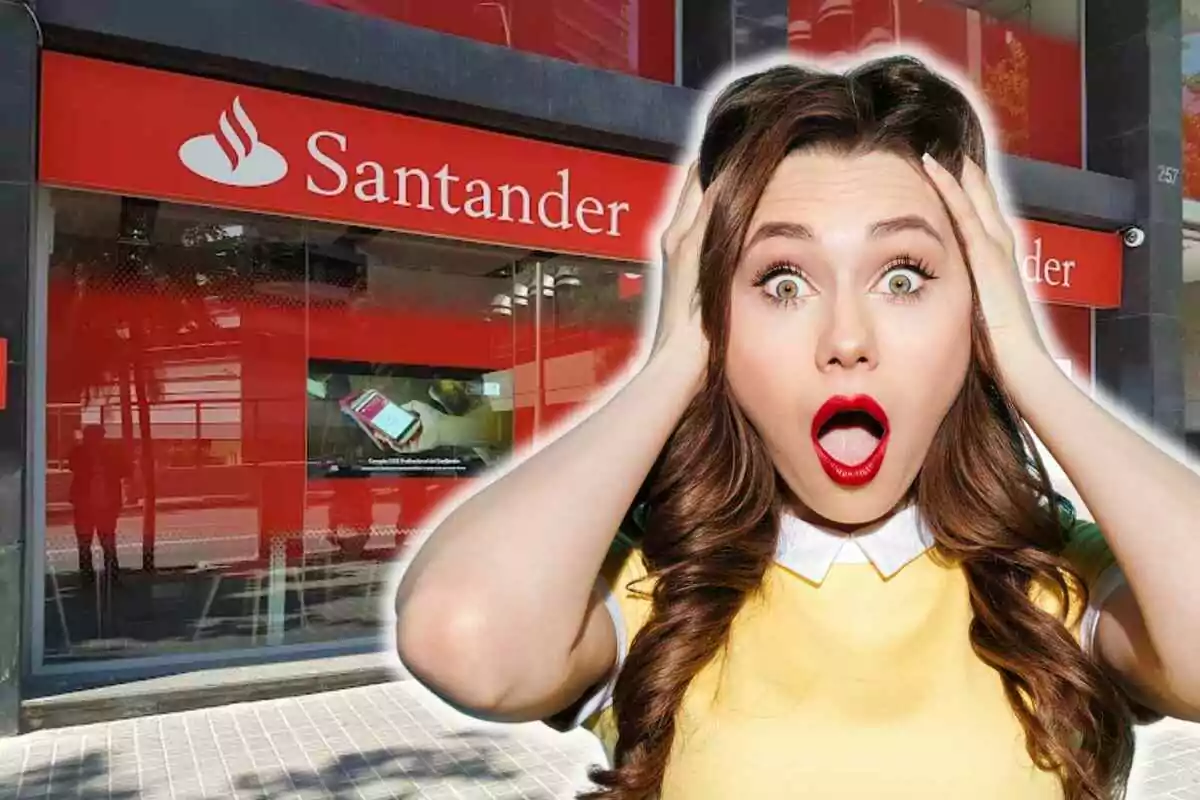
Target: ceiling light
{"type": "Point", "coordinates": [567, 276]}
{"type": "Point", "coordinates": [502, 305]}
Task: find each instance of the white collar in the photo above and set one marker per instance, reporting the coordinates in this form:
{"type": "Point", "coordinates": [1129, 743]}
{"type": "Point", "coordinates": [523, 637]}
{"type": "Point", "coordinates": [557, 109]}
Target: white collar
{"type": "Point", "coordinates": [811, 551]}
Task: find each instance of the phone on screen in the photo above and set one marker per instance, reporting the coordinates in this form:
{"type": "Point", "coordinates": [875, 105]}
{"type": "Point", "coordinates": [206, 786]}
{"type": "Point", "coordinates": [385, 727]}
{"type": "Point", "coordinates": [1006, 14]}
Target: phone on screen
{"type": "Point", "coordinates": [381, 419]}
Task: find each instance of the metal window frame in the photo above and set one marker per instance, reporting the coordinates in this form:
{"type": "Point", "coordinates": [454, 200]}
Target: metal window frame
{"type": "Point", "coordinates": [35, 440]}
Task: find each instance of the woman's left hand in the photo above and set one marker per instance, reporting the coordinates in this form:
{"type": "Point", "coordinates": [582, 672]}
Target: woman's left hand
{"type": "Point", "coordinates": [991, 256]}
{"type": "Point", "coordinates": [1145, 501]}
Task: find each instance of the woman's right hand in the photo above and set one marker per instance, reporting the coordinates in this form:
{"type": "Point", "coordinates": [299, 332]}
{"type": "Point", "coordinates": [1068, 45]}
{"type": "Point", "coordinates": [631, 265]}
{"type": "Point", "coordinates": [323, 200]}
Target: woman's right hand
{"type": "Point", "coordinates": [679, 326]}
{"type": "Point", "coordinates": [498, 612]}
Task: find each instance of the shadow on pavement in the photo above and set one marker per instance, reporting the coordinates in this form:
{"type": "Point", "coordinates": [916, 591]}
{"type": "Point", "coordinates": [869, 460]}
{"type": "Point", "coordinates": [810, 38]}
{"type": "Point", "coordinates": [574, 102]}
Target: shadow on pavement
{"type": "Point", "coordinates": [403, 771]}
{"type": "Point", "coordinates": [85, 776]}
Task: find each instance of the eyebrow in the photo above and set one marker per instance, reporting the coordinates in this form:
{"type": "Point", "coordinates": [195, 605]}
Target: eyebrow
{"type": "Point", "coordinates": [884, 227]}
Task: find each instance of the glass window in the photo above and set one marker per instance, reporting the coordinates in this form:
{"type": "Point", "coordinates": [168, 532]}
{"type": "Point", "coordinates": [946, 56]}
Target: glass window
{"type": "Point", "coordinates": [1023, 53]}
{"type": "Point", "coordinates": [759, 27]}
{"type": "Point", "coordinates": [246, 416]}
{"type": "Point", "coordinates": [632, 36]}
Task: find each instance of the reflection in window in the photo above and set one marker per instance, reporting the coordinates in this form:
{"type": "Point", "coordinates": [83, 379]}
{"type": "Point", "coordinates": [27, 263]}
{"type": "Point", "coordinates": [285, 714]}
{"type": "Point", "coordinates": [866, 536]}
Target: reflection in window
{"type": "Point", "coordinates": [1190, 61]}
{"type": "Point", "coordinates": [631, 36]}
{"type": "Point", "coordinates": [247, 417]}
{"type": "Point", "coordinates": [1024, 56]}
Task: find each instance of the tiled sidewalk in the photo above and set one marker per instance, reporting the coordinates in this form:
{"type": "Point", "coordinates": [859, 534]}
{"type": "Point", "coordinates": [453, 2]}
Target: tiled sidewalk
{"type": "Point", "coordinates": [1167, 764]}
{"type": "Point", "coordinates": [387, 741]}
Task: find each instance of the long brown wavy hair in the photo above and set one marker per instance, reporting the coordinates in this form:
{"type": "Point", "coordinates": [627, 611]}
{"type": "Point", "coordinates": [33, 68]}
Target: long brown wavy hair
{"type": "Point", "coordinates": [714, 497]}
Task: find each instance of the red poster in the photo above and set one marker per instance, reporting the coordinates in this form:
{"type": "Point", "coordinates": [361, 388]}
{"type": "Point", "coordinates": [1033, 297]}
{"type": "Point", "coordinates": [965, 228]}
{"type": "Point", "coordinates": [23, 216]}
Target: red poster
{"type": "Point", "coordinates": [1032, 81]}
{"type": "Point", "coordinates": [632, 36]}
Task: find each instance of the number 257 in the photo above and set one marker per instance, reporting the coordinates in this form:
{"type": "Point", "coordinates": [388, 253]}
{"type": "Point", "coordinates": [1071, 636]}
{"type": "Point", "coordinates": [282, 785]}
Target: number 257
{"type": "Point", "coordinates": [1169, 175]}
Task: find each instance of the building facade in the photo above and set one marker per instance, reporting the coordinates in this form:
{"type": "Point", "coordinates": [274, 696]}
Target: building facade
{"type": "Point", "coordinates": [282, 275]}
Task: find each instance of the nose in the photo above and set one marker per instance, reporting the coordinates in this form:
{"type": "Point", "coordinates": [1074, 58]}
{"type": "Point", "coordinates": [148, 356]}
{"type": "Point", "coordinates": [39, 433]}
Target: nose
{"type": "Point", "coordinates": [847, 338]}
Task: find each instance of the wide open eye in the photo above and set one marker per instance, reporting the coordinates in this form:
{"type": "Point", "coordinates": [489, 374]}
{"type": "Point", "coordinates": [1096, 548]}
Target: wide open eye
{"type": "Point", "coordinates": [786, 287]}
{"type": "Point", "coordinates": [783, 284]}
{"type": "Point", "coordinates": [903, 279]}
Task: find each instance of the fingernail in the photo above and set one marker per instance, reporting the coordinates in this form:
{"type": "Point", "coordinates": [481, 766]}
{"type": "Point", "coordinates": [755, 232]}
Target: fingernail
{"type": "Point", "coordinates": [928, 159]}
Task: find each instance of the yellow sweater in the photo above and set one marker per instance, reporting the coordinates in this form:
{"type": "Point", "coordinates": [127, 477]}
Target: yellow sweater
{"type": "Point", "coordinates": [859, 687]}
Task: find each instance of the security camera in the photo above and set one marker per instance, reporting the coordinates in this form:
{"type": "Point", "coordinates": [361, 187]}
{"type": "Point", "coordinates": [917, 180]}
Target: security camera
{"type": "Point", "coordinates": [1133, 236]}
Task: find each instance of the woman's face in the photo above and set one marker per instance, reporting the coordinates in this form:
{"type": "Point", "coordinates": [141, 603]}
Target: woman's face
{"type": "Point", "coordinates": [850, 328]}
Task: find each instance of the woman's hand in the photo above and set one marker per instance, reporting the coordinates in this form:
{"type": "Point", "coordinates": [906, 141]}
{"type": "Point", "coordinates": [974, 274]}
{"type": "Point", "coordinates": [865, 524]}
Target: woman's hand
{"type": "Point", "coordinates": [508, 578]}
{"type": "Point", "coordinates": [1146, 503]}
{"type": "Point", "coordinates": [679, 327]}
{"type": "Point", "coordinates": [991, 256]}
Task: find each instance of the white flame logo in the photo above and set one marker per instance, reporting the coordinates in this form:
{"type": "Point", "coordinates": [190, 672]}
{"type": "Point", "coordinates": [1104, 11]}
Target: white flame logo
{"type": "Point", "coordinates": [236, 157]}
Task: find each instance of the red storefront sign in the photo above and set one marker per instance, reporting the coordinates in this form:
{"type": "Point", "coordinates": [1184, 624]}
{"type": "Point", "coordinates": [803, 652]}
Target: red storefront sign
{"type": "Point", "coordinates": [113, 127]}
{"type": "Point", "coordinates": [1071, 266]}
{"type": "Point", "coordinates": [117, 128]}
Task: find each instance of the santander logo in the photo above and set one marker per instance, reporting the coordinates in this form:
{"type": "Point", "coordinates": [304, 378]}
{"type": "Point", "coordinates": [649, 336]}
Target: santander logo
{"type": "Point", "coordinates": [234, 156]}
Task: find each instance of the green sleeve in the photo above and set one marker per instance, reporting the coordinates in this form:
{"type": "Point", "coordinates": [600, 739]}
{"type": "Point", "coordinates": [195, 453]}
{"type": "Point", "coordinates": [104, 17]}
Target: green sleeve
{"type": "Point", "coordinates": [1087, 551]}
{"type": "Point", "coordinates": [1090, 554]}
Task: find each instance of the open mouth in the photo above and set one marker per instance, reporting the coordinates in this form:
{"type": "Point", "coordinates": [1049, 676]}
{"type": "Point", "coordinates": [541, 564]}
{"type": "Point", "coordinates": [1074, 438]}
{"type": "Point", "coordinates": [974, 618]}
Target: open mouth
{"type": "Point", "coordinates": [850, 435]}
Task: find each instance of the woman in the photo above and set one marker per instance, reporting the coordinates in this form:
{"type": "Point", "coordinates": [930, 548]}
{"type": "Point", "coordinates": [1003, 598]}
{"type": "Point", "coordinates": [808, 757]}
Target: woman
{"type": "Point", "coordinates": [846, 573]}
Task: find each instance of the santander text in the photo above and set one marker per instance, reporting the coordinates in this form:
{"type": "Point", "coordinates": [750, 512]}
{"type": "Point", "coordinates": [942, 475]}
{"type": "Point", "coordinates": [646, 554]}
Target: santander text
{"type": "Point", "coordinates": [445, 192]}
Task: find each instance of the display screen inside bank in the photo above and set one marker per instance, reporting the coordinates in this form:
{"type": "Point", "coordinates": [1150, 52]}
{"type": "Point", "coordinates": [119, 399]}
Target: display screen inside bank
{"type": "Point", "coordinates": [403, 420]}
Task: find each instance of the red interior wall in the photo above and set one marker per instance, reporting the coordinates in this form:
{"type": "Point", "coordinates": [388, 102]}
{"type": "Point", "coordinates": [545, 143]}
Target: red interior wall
{"type": "Point", "coordinates": [274, 342]}
{"type": "Point", "coordinates": [1072, 326]}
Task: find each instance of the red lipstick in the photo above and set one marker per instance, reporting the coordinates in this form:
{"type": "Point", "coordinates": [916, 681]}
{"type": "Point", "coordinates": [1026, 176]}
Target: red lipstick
{"type": "Point", "coordinates": [859, 412]}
